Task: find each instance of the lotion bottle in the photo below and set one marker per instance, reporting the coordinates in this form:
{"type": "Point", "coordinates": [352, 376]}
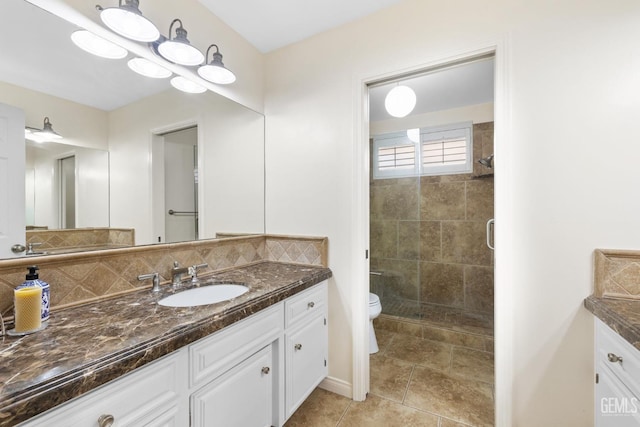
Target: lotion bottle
{"type": "Point", "coordinates": [33, 280]}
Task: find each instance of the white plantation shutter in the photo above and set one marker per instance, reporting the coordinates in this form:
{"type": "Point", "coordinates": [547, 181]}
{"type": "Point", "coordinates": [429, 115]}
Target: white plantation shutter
{"type": "Point", "coordinates": [443, 150]}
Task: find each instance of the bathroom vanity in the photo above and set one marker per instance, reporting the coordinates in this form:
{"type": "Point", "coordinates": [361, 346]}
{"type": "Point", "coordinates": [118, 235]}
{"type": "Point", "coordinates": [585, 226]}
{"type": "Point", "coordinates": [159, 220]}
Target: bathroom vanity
{"type": "Point", "coordinates": [617, 361]}
{"type": "Point", "coordinates": [128, 361]}
{"type": "Point", "coordinates": [616, 307]}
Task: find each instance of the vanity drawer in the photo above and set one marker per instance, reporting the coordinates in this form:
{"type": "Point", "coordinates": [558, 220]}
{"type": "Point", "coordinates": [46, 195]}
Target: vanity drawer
{"type": "Point", "coordinates": [212, 356]}
{"type": "Point", "coordinates": [149, 396]}
{"type": "Point", "coordinates": [611, 345]}
{"type": "Point", "coordinates": [306, 304]}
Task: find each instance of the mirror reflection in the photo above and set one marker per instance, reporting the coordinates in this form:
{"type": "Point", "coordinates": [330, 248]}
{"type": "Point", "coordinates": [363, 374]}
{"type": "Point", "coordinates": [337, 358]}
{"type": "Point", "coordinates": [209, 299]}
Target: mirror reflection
{"type": "Point", "coordinates": [134, 149]}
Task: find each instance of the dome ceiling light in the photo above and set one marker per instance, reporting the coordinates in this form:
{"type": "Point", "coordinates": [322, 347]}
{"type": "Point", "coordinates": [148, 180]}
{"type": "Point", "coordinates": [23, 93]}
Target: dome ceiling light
{"type": "Point", "coordinates": [215, 71]}
{"type": "Point", "coordinates": [400, 101]}
{"type": "Point", "coordinates": [127, 20]}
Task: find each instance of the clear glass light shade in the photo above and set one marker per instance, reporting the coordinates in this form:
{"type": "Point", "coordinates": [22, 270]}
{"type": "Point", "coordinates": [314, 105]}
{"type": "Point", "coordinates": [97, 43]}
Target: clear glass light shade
{"type": "Point", "coordinates": [400, 101]}
{"type": "Point", "coordinates": [180, 53]}
{"type": "Point", "coordinates": [413, 135]}
{"type": "Point", "coordinates": [186, 85]}
{"type": "Point", "coordinates": [216, 74]}
{"type": "Point", "coordinates": [129, 24]}
{"type": "Point", "coordinates": [148, 69]}
{"type": "Point", "coordinates": [98, 46]}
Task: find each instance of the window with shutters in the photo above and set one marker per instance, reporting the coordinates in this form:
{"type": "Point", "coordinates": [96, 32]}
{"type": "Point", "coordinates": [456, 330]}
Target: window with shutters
{"type": "Point", "coordinates": [442, 150]}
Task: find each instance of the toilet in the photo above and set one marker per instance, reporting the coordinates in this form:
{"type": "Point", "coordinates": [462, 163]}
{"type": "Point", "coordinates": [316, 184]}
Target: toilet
{"type": "Point", "coordinates": [375, 308]}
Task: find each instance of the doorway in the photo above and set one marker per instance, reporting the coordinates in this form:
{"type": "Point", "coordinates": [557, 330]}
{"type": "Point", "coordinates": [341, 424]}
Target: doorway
{"type": "Point", "coordinates": [67, 203]}
{"type": "Point", "coordinates": [175, 178]}
{"type": "Point", "coordinates": [430, 264]}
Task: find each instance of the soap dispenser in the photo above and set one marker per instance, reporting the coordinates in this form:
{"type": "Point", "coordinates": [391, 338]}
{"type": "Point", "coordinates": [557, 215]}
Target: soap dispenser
{"type": "Point", "coordinates": [31, 281]}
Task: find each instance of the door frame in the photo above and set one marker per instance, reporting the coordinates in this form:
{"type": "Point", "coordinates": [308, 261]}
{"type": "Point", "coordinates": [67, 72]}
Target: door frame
{"type": "Point", "coordinates": [504, 212]}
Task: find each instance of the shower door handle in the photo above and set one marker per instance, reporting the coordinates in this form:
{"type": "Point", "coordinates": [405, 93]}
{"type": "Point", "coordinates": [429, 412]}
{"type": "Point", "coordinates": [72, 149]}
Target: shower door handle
{"type": "Point", "coordinates": [490, 227]}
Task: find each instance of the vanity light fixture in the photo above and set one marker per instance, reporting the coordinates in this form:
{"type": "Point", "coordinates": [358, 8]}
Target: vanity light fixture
{"type": "Point", "coordinates": [187, 85]}
{"type": "Point", "coordinates": [215, 71]}
{"type": "Point", "coordinates": [179, 50]}
{"type": "Point", "coordinates": [400, 101]}
{"type": "Point", "coordinates": [42, 135]}
{"type": "Point", "coordinates": [127, 20]}
{"type": "Point", "coordinates": [98, 46]}
{"type": "Point", "coordinates": [148, 69]}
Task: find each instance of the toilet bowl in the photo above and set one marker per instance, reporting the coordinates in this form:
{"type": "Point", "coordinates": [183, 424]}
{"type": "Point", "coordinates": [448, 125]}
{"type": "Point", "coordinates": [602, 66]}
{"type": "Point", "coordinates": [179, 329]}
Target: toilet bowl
{"type": "Point", "coordinates": [375, 308]}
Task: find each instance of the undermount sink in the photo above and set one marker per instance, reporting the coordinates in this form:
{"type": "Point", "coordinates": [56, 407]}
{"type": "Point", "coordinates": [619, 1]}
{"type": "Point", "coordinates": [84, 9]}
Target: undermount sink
{"type": "Point", "coordinates": [205, 295]}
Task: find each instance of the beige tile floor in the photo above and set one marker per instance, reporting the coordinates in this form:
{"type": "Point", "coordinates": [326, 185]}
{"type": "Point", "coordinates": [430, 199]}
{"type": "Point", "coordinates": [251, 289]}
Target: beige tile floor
{"type": "Point", "coordinates": [414, 382]}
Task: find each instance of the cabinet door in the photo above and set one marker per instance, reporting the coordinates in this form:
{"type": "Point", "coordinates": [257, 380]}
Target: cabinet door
{"type": "Point", "coordinates": [616, 406]}
{"type": "Point", "coordinates": [306, 361]}
{"type": "Point", "coordinates": [241, 397]}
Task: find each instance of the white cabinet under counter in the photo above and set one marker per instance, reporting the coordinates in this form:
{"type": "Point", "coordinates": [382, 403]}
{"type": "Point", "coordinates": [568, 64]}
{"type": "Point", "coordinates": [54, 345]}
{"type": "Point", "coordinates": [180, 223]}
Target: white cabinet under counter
{"type": "Point", "coordinates": [255, 372]}
{"type": "Point", "coordinates": [617, 363]}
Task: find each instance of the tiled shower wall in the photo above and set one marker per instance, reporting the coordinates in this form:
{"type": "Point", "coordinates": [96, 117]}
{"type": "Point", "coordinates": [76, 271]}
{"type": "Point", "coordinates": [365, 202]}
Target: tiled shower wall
{"type": "Point", "coordinates": [428, 235]}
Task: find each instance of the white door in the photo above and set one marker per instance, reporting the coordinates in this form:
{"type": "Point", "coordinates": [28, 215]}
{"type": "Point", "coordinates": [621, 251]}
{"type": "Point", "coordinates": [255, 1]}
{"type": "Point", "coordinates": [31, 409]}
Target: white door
{"type": "Point", "coordinates": [12, 177]}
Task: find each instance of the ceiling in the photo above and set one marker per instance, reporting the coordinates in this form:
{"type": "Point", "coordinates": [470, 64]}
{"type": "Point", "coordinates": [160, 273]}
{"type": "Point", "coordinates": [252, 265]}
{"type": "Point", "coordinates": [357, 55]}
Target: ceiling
{"type": "Point", "coordinates": [269, 25]}
{"type": "Point", "coordinates": [466, 84]}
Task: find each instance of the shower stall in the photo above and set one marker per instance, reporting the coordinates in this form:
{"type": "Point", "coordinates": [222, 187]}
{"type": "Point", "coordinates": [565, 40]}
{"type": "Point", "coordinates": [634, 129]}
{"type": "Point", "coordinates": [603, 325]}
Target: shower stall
{"type": "Point", "coordinates": [430, 261]}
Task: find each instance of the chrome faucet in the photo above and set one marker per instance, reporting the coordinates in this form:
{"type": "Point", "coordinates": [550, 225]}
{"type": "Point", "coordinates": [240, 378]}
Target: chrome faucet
{"type": "Point", "coordinates": [30, 250]}
{"type": "Point", "coordinates": [176, 274]}
{"type": "Point", "coordinates": [156, 280]}
{"type": "Point", "coordinates": [193, 271]}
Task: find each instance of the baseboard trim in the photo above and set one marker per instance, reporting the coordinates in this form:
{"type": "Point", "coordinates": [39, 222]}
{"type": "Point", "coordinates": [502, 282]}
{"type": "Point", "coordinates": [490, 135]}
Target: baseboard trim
{"type": "Point", "coordinates": [337, 386]}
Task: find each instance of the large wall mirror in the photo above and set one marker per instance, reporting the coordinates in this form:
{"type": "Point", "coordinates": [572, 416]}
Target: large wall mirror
{"type": "Point", "coordinates": [136, 153]}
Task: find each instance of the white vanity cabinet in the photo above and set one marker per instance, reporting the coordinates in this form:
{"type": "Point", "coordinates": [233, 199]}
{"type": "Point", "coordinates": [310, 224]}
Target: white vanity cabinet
{"type": "Point", "coordinates": [149, 396]}
{"type": "Point", "coordinates": [253, 373]}
{"type": "Point", "coordinates": [235, 375]}
{"type": "Point", "coordinates": [306, 346]}
{"type": "Point", "coordinates": [618, 379]}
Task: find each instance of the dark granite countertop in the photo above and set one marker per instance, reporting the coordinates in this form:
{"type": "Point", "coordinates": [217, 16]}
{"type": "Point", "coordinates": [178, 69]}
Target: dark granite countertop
{"type": "Point", "coordinates": [86, 346]}
{"type": "Point", "coordinates": [621, 315]}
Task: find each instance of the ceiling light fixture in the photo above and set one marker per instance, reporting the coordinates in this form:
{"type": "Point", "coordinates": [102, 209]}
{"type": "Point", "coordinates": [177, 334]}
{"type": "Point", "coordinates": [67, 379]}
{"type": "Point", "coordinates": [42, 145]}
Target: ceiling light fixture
{"type": "Point", "coordinates": [127, 20]}
{"type": "Point", "coordinates": [148, 69]}
{"type": "Point", "coordinates": [179, 50]}
{"type": "Point", "coordinates": [400, 101]}
{"type": "Point", "coordinates": [98, 46]}
{"type": "Point", "coordinates": [215, 71]}
{"type": "Point", "coordinates": [187, 85]}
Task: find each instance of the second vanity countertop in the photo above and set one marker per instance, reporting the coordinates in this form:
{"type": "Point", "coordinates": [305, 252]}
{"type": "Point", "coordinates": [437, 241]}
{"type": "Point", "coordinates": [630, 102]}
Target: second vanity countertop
{"type": "Point", "coordinates": [86, 346]}
{"type": "Point", "coordinates": [621, 315]}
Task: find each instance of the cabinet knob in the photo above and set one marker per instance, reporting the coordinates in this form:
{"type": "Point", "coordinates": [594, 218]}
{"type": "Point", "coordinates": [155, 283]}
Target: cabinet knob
{"type": "Point", "coordinates": [265, 370]}
{"type": "Point", "coordinates": [298, 346]}
{"type": "Point", "coordinates": [106, 420]}
{"type": "Point", "coordinates": [614, 358]}
{"type": "Point", "coordinates": [311, 304]}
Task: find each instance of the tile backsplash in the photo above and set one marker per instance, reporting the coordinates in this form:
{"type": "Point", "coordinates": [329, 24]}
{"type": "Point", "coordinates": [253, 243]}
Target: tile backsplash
{"type": "Point", "coordinates": [81, 238]}
{"type": "Point", "coordinates": [80, 277]}
{"type": "Point", "coordinates": [617, 273]}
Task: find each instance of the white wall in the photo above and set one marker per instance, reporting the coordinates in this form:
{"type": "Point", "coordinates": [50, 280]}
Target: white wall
{"type": "Point", "coordinates": [478, 113]}
{"type": "Point", "coordinates": [571, 70]}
